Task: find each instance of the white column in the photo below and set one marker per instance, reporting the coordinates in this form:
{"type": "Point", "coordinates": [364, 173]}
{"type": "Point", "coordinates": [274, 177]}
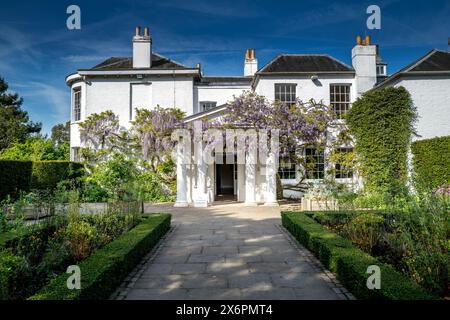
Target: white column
{"type": "Point", "coordinates": [241, 182]}
{"type": "Point", "coordinates": [189, 180]}
{"type": "Point", "coordinates": [271, 180]}
{"type": "Point", "coordinates": [200, 196]}
{"type": "Point", "coordinates": [181, 178]}
{"type": "Point", "coordinates": [250, 179]}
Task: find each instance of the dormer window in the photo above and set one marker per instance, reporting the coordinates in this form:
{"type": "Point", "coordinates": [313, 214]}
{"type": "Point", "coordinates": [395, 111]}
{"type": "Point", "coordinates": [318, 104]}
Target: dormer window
{"type": "Point", "coordinates": [207, 105]}
{"type": "Point", "coordinates": [381, 70]}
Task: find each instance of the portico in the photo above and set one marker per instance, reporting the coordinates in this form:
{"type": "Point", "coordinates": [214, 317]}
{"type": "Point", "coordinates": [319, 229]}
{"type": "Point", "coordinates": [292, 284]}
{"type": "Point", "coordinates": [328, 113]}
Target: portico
{"type": "Point", "coordinates": [208, 172]}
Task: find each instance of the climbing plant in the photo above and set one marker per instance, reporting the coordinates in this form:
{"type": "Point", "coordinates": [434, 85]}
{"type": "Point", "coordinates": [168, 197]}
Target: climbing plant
{"type": "Point", "coordinates": [382, 122]}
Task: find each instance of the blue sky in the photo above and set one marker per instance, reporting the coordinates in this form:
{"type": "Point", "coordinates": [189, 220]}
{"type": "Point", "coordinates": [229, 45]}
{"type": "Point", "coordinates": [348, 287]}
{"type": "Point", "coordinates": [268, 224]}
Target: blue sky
{"type": "Point", "coordinates": [37, 51]}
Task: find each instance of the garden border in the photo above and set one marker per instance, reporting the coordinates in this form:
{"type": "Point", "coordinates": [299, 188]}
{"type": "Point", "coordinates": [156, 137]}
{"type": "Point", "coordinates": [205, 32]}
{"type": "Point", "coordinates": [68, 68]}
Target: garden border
{"type": "Point", "coordinates": [105, 269]}
{"type": "Point", "coordinates": [350, 263]}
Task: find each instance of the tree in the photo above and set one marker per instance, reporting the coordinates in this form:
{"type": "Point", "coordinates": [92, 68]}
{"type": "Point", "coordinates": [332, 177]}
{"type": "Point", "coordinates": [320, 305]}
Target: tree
{"type": "Point", "coordinates": [152, 131]}
{"type": "Point", "coordinates": [15, 125]}
{"type": "Point", "coordinates": [146, 147]}
{"type": "Point", "coordinates": [36, 149]}
{"type": "Point", "coordinates": [61, 133]}
{"type": "Point", "coordinates": [101, 134]}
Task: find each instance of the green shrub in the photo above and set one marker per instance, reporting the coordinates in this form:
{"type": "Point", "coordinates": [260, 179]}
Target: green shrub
{"type": "Point", "coordinates": [50, 246]}
{"type": "Point", "coordinates": [364, 230]}
{"type": "Point", "coordinates": [82, 238]}
{"type": "Point", "coordinates": [382, 122]}
{"type": "Point", "coordinates": [47, 174]}
{"type": "Point", "coordinates": [13, 275]}
{"type": "Point", "coordinates": [350, 263]}
{"type": "Point", "coordinates": [15, 176]}
{"type": "Point", "coordinates": [21, 176]}
{"type": "Point", "coordinates": [431, 162]}
{"type": "Point", "coordinates": [105, 269]}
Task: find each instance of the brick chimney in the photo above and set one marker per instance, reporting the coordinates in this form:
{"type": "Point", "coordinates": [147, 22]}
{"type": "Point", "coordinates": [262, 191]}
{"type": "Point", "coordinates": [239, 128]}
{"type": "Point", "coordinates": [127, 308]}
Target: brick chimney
{"type": "Point", "coordinates": [142, 49]}
{"type": "Point", "coordinates": [250, 63]}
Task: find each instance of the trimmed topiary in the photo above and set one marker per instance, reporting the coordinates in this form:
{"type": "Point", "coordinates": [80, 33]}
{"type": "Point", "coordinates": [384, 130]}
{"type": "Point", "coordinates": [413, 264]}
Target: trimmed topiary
{"type": "Point", "coordinates": [350, 263]}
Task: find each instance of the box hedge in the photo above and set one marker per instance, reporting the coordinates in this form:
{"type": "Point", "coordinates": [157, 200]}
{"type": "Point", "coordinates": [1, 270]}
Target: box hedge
{"type": "Point", "coordinates": [350, 263]}
{"type": "Point", "coordinates": [17, 176]}
{"type": "Point", "coordinates": [431, 162]}
{"type": "Point", "coordinates": [106, 268]}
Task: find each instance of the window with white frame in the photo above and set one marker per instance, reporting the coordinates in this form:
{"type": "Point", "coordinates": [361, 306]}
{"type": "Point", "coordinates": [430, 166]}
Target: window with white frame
{"type": "Point", "coordinates": [381, 70]}
{"type": "Point", "coordinates": [342, 171]}
{"type": "Point", "coordinates": [76, 104]}
{"type": "Point", "coordinates": [285, 92]}
{"type": "Point", "coordinates": [286, 168]}
{"type": "Point", "coordinates": [340, 98]}
{"type": "Point", "coordinates": [207, 105]}
{"type": "Point", "coordinates": [314, 163]}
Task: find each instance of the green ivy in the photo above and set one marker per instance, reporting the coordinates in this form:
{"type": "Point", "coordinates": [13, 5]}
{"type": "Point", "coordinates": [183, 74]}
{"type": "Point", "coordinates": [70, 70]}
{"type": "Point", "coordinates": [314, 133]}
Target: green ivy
{"type": "Point", "coordinates": [431, 162]}
{"type": "Point", "coordinates": [382, 123]}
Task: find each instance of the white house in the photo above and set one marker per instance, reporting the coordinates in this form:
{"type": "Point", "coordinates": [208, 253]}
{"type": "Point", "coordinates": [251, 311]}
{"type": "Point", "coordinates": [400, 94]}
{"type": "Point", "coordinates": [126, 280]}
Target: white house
{"type": "Point", "coordinates": [148, 79]}
{"type": "Point", "coordinates": [428, 81]}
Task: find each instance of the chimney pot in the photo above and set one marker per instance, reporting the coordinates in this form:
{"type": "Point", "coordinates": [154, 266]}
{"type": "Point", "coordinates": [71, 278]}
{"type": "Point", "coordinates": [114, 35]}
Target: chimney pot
{"type": "Point", "coordinates": [146, 32]}
{"type": "Point", "coordinates": [252, 56]}
{"type": "Point", "coordinates": [367, 41]}
{"type": "Point", "coordinates": [358, 40]}
{"type": "Point", "coordinates": [247, 54]}
{"type": "Point", "coordinates": [138, 31]}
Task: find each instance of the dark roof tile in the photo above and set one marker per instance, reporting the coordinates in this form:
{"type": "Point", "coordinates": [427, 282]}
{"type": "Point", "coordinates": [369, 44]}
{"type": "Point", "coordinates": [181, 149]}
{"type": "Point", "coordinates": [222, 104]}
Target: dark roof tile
{"type": "Point", "coordinates": [437, 61]}
{"type": "Point", "coordinates": [119, 63]}
{"type": "Point", "coordinates": [305, 63]}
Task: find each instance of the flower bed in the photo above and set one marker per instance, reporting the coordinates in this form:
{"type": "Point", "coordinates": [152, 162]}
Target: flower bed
{"type": "Point", "coordinates": [350, 263]}
{"type": "Point", "coordinates": [106, 268]}
{"type": "Point", "coordinates": [30, 256]}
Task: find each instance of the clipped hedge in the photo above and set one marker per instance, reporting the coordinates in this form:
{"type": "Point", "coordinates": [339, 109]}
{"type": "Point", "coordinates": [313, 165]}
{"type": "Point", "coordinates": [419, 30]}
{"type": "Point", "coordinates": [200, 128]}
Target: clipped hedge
{"type": "Point", "coordinates": [16, 176]}
{"type": "Point", "coordinates": [106, 268]}
{"type": "Point", "coordinates": [350, 263]}
{"type": "Point", "coordinates": [431, 162]}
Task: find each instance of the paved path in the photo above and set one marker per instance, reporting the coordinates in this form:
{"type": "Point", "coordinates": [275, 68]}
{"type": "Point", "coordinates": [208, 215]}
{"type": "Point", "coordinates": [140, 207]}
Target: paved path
{"type": "Point", "coordinates": [229, 252]}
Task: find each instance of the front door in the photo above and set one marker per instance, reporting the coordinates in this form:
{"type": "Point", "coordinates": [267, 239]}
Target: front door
{"type": "Point", "coordinates": [225, 179]}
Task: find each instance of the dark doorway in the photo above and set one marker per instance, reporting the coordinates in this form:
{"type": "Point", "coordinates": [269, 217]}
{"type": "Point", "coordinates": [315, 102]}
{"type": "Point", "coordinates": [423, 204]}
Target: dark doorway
{"type": "Point", "coordinates": [225, 179]}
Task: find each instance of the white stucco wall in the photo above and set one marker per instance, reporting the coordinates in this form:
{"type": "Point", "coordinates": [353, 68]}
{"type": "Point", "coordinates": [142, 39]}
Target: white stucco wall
{"type": "Point", "coordinates": [431, 96]}
{"type": "Point", "coordinates": [306, 88]}
{"type": "Point", "coordinates": [219, 94]}
{"type": "Point", "coordinates": [115, 94]}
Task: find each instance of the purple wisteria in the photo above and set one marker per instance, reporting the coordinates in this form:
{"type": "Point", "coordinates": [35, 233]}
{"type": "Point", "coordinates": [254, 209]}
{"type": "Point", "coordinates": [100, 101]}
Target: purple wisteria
{"type": "Point", "coordinates": [300, 123]}
{"type": "Point", "coordinates": [153, 128]}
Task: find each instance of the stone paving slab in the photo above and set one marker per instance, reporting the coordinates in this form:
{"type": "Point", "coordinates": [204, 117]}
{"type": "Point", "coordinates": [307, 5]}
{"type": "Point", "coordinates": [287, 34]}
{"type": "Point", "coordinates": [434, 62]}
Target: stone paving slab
{"type": "Point", "coordinates": [229, 252]}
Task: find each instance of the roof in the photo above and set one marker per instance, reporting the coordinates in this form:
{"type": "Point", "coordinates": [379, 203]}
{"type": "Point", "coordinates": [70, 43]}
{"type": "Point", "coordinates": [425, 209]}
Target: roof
{"type": "Point", "coordinates": [210, 112]}
{"type": "Point", "coordinates": [225, 80]}
{"type": "Point", "coordinates": [126, 63]}
{"type": "Point", "coordinates": [434, 62]}
{"type": "Point", "coordinates": [304, 63]}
